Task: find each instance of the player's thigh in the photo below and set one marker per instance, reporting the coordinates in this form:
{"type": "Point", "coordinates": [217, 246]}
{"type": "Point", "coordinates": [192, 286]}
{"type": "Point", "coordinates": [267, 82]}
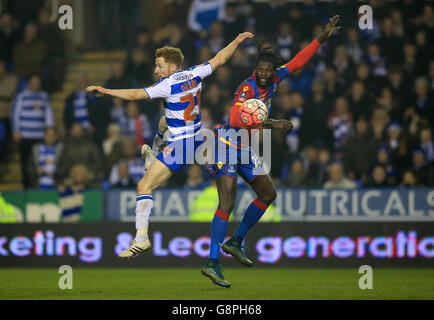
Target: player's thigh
{"type": "Point", "coordinates": [264, 188]}
{"type": "Point", "coordinates": [227, 191]}
{"type": "Point", "coordinates": [157, 174]}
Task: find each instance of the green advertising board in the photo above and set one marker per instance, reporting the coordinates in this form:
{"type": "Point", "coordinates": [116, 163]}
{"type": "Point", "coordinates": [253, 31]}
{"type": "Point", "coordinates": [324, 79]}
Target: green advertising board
{"type": "Point", "coordinates": [36, 206]}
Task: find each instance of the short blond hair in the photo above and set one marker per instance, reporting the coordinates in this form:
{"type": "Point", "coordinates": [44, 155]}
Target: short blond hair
{"type": "Point", "coordinates": [170, 55]}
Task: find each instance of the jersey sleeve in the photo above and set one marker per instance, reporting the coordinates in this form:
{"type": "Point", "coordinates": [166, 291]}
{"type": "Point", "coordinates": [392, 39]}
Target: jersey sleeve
{"type": "Point", "coordinates": [160, 89]}
{"type": "Point", "coordinates": [202, 70]}
{"type": "Point", "coordinates": [244, 93]}
{"type": "Point", "coordinates": [300, 60]}
{"type": "Point", "coordinates": [282, 72]}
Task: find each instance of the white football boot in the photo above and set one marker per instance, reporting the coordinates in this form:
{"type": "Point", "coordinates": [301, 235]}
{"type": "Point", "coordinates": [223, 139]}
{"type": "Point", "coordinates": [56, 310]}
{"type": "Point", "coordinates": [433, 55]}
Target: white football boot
{"type": "Point", "coordinates": [147, 155]}
{"type": "Point", "coordinates": [136, 248]}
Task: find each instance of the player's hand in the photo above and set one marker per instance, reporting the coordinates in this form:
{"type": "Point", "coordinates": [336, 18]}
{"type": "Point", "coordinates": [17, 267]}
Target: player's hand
{"type": "Point", "coordinates": [331, 26]}
{"type": "Point", "coordinates": [284, 125]}
{"type": "Point", "coordinates": [96, 90]}
{"type": "Point", "coordinates": [243, 36]}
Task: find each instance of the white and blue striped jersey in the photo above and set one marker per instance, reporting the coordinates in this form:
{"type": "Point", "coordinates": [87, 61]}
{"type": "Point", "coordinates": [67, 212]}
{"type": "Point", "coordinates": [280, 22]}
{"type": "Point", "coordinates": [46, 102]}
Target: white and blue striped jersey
{"type": "Point", "coordinates": [47, 161]}
{"type": "Point", "coordinates": [181, 93]}
{"type": "Point", "coordinates": [31, 114]}
{"type": "Point", "coordinates": [81, 114]}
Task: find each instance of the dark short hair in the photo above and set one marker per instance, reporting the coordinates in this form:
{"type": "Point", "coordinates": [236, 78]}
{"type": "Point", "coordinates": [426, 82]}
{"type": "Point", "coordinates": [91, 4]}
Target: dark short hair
{"type": "Point", "coordinates": [266, 53]}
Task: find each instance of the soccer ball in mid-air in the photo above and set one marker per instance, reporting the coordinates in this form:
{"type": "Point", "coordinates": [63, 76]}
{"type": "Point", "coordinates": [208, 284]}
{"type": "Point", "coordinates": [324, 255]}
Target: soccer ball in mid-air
{"type": "Point", "coordinates": [253, 112]}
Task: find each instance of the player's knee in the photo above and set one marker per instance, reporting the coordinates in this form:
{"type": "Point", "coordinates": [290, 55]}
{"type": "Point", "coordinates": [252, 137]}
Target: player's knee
{"type": "Point", "coordinates": [227, 204]}
{"type": "Point", "coordinates": [268, 197]}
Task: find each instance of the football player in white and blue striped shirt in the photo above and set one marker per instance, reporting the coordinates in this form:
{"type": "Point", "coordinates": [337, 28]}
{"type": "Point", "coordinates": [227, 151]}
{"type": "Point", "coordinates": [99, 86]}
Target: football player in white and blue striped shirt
{"type": "Point", "coordinates": [180, 90]}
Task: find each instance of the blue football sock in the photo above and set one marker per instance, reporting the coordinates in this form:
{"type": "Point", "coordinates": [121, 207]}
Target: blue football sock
{"type": "Point", "coordinates": [253, 213]}
{"type": "Point", "coordinates": [219, 226]}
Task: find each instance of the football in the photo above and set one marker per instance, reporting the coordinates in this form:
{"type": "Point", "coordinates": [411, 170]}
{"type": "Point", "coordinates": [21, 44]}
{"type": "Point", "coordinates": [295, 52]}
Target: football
{"type": "Point", "coordinates": [253, 112]}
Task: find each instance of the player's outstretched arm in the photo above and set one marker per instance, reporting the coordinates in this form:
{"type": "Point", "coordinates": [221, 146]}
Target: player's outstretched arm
{"type": "Point", "coordinates": [307, 53]}
{"type": "Point", "coordinates": [224, 54]}
{"type": "Point", "coordinates": [329, 29]}
{"type": "Point", "coordinates": [282, 124]}
{"type": "Point", "coordinates": [126, 94]}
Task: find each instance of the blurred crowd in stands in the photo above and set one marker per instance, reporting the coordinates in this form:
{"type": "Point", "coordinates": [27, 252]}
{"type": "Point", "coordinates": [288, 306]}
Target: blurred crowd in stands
{"type": "Point", "coordinates": [362, 108]}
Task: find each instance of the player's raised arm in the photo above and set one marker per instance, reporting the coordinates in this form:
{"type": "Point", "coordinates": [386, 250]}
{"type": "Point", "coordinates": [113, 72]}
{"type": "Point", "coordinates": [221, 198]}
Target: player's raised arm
{"type": "Point", "coordinates": [307, 53]}
{"type": "Point", "coordinates": [126, 94]}
{"type": "Point", "coordinates": [224, 54]}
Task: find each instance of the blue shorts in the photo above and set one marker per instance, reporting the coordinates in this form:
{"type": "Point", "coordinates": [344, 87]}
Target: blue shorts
{"type": "Point", "coordinates": [179, 153]}
{"type": "Point", "coordinates": [247, 164]}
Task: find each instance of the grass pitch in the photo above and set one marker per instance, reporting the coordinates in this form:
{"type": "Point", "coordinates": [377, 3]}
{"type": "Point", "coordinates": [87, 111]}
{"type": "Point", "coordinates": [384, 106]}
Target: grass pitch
{"type": "Point", "coordinates": [189, 284]}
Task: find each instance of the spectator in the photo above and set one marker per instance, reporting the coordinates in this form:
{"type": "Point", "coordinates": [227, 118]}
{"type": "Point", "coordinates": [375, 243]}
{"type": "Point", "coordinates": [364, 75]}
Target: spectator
{"type": "Point", "coordinates": [324, 161]}
{"type": "Point", "coordinates": [138, 68]}
{"type": "Point", "coordinates": [195, 178]}
{"type": "Point", "coordinates": [8, 86]}
{"type": "Point", "coordinates": [233, 24]}
{"type": "Point", "coordinates": [124, 178]}
{"type": "Point", "coordinates": [114, 135]}
{"type": "Point", "coordinates": [359, 152]}
{"type": "Point", "coordinates": [206, 119]}
{"type": "Point", "coordinates": [223, 79]}
{"type": "Point", "coordinates": [52, 36]}
{"type": "Point", "coordinates": [45, 156]}
{"type": "Point", "coordinates": [298, 175]}
{"type": "Point", "coordinates": [216, 40]}
{"type": "Point", "coordinates": [135, 125]}
{"type": "Point", "coordinates": [422, 100]}
{"type": "Point", "coordinates": [79, 149]}
{"type": "Point", "coordinates": [315, 116]}
{"type": "Point", "coordinates": [309, 157]}
{"type": "Point", "coordinates": [334, 87]}
{"type": "Point", "coordinates": [341, 63]}
{"type": "Point", "coordinates": [353, 45]}
{"type": "Point", "coordinates": [409, 179]}
{"type": "Point", "coordinates": [71, 192]}
{"type": "Point", "coordinates": [363, 74]}
{"type": "Point", "coordinates": [77, 105]}
{"type": "Point", "coordinates": [27, 64]}
{"type": "Point", "coordinates": [117, 112]}
{"type": "Point", "coordinates": [427, 144]}
{"type": "Point", "coordinates": [118, 78]}
{"type": "Point", "coordinates": [9, 36]}
{"type": "Point", "coordinates": [376, 60]}
{"type": "Point", "coordinates": [395, 143]}
{"type": "Point", "coordinates": [295, 115]}
{"type": "Point", "coordinates": [359, 102]}
{"type": "Point", "coordinates": [422, 170]}
{"type": "Point", "coordinates": [31, 114]}
{"type": "Point", "coordinates": [378, 178]}
{"type": "Point", "coordinates": [340, 122]}
{"type": "Point", "coordinates": [285, 41]}
{"type": "Point", "coordinates": [409, 64]}
{"type": "Point", "coordinates": [384, 160]}
{"type": "Point", "coordinates": [136, 166]}
{"type": "Point", "coordinates": [212, 98]}
{"type": "Point", "coordinates": [337, 179]}
{"type": "Point", "coordinates": [390, 42]}
{"type": "Point", "coordinates": [379, 121]}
